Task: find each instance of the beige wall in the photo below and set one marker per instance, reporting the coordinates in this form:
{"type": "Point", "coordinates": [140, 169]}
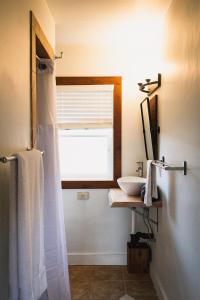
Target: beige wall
{"type": "Point", "coordinates": [97, 233]}
{"type": "Point", "coordinates": [175, 267]}
{"type": "Point", "coordinates": [176, 261]}
{"type": "Point", "coordinates": [15, 98]}
{"type": "Point", "coordinates": [98, 39]}
{"type": "Point", "coordinates": [104, 230]}
{"type": "Point", "coordinates": [174, 53]}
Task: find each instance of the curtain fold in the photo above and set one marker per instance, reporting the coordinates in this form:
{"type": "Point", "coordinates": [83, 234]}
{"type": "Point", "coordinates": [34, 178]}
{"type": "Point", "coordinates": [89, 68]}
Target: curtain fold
{"type": "Point", "coordinates": [54, 231]}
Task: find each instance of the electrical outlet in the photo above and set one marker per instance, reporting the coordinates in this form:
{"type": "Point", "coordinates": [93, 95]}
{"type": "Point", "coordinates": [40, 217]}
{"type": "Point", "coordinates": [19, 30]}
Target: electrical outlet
{"type": "Point", "coordinates": [83, 195]}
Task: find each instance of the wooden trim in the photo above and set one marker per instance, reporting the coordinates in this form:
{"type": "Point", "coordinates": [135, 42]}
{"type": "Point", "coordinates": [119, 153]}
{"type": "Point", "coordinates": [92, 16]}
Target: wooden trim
{"type": "Point", "coordinates": [89, 184]}
{"type": "Point", "coordinates": [117, 82]}
{"type": "Point", "coordinates": [41, 47]}
{"type": "Point", "coordinates": [88, 80]}
{"type": "Point", "coordinates": [119, 198]}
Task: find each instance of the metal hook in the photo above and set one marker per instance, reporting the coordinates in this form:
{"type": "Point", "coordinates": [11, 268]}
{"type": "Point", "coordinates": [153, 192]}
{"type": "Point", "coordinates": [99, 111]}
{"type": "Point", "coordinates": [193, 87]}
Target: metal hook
{"type": "Point", "coordinates": [59, 57]}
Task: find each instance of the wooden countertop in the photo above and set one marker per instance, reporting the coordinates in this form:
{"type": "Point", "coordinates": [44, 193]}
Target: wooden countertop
{"type": "Point", "coordinates": [118, 198]}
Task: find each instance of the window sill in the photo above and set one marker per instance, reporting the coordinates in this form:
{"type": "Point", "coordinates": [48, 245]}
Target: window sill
{"type": "Point", "coordinates": [89, 184]}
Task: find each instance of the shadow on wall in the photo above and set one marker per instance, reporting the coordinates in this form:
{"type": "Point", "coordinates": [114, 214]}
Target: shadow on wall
{"type": "Point", "coordinates": [167, 250]}
{"type": "Point", "coordinates": [172, 193]}
{"type": "Point", "coordinates": [12, 117]}
{"type": "Point", "coordinates": [188, 14]}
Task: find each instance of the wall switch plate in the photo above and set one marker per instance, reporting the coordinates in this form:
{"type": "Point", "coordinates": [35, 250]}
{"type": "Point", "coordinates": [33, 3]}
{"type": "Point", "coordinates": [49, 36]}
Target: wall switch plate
{"type": "Point", "coordinates": [83, 195]}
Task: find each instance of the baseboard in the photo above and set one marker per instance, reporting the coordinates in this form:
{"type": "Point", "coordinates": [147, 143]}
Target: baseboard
{"type": "Point", "coordinates": [158, 286]}
{"type": "Point", "coordinates": [97, 258]}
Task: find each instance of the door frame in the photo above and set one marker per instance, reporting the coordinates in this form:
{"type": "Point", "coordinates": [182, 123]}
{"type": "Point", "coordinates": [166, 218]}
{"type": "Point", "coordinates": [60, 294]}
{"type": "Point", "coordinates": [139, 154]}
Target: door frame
{"type": "Point", "coordinates": [39, 45]}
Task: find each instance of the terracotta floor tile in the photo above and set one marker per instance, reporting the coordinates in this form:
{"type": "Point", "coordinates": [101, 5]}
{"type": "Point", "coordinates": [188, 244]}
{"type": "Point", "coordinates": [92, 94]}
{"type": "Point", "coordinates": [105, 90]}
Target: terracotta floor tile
{"type": "Point", "coordinates": [100, 290]}
{"type": "Point", "coordinates": [135, 276]}
{"type": "Point", "coordinates": [107, 273]}
{"type": "Point", "coordinates": [146, 298]}
{"type": "Point", "coordinates": [107, 290]}
{"type": "Point", "coordinates": [79, 273]}
{"type": "Point", "coordinates": [80, 290]}
{"type": "Point", "coordinates": [117, 290]}
{"type": "Point", "coordinates": [109, 283]}
{"type": "Point", "coordinates": [140, 288]}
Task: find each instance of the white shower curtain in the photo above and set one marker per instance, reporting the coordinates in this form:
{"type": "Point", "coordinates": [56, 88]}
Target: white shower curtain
{"type": "Point", "coordinates": [46, 140]}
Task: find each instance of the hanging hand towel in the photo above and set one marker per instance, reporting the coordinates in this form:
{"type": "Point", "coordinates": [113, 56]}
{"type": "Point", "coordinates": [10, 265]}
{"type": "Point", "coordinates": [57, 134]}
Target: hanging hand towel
{"type": "Point", "coordinates": [151, 186]}
{"type": "Point", "coordinates": [27, 274]}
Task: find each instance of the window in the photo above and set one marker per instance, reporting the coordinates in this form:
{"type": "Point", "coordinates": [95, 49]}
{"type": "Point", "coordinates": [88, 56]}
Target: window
{"type": "Point", "coordinates": [86, 154]}
{"type": "Point", "coordinates": [89, 122]}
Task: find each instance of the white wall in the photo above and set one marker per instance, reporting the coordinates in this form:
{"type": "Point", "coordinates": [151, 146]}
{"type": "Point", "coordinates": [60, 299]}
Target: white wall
{"type": "Point", "coordinates": [174, 52]}
{"type": "Point", "coordinates": [91, 225]}
{"type": "Point", "coordinates": [100, 39]}
{"type": "Point", "coordinates": [96, 233]}
{"type": "Point", "coordinates": [176, 262]}
{"type": "Point", "coordinates": [15, 98]}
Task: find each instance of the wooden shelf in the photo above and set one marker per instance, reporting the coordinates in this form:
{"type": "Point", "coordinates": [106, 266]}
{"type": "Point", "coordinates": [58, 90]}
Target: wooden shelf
{"type": "Point", "coordinates": [118, 198]}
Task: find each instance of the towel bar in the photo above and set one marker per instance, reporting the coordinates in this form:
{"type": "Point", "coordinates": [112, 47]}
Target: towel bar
{"type": "Point", "coordinates": [5, 159]}
{"type": "Point", "coordinates": [161, 164]}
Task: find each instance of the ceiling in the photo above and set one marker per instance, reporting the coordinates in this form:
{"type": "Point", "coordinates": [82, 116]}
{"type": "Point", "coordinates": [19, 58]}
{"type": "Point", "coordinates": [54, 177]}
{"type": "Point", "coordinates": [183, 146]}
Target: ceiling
{"type": "Point", "coordinates": [86, 21]}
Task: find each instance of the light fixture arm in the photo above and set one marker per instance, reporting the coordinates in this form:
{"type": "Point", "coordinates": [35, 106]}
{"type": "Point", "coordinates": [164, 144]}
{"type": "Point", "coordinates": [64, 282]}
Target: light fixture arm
{"type": "Point", "coordinates": [142, 86]}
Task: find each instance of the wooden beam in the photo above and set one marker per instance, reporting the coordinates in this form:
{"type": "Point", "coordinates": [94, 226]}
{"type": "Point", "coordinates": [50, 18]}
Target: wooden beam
{"type": "Point", "coordinates": [118, 198]}
{"type": "Point", "coordinates": [38, 45]}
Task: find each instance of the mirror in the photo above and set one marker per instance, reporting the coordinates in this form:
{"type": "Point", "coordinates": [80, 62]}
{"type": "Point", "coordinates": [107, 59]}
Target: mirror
{"type": "Point", "coordinates": [150, 126]}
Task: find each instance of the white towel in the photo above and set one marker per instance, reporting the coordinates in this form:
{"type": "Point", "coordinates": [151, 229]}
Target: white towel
{"type": "Point", "coordinates": [151, 190]}
{"type": "Point", "coordinates": [27, 274]}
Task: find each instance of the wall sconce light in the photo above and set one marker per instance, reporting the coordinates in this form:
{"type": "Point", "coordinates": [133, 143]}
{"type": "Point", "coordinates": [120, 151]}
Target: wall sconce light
{"type": "Point", "coordinates": [144, 87]}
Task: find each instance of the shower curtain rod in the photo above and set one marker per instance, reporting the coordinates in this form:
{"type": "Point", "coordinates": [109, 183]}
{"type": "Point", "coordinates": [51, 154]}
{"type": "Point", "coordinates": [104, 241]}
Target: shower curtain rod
{"type": "Point", "coordinates": [55, 57]}
{"type": "Point", "coordinates": [5, 159]}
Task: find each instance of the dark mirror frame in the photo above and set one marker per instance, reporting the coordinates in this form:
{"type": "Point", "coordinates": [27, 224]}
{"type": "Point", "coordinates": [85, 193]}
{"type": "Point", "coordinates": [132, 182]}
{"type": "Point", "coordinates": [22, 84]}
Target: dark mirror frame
{"type": "Point", "coordinates": [152, 106]}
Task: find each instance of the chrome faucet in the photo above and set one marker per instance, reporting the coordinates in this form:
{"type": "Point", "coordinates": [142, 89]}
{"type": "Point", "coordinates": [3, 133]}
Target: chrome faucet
{"type": "Point", "coordinates": [140, 168]}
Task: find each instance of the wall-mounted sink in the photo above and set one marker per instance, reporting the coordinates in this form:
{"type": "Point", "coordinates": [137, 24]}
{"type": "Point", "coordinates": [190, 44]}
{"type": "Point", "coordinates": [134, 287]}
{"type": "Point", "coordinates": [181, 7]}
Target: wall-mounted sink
{"type": "Point", "coordinates": [131, 185]}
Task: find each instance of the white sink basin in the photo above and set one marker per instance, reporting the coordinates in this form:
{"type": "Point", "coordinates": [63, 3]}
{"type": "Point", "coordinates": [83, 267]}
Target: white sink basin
{"type": "Point", "coordinates": [131, 185]}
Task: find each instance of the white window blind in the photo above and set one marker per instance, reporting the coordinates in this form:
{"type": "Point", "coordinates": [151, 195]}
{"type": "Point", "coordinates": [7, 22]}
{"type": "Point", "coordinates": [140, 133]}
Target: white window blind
{"type": "Point", "coordinates": [85, 106]}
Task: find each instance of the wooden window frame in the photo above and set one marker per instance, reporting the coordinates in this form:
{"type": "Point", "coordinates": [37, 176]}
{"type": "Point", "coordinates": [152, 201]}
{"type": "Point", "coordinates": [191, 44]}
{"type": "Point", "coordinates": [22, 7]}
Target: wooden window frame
{"type": "Point", "coordinates": [117, 82]}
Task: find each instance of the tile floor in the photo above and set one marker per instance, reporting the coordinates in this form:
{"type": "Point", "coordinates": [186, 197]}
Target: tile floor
{"type": "Point", "coordinates": [109, 283]}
